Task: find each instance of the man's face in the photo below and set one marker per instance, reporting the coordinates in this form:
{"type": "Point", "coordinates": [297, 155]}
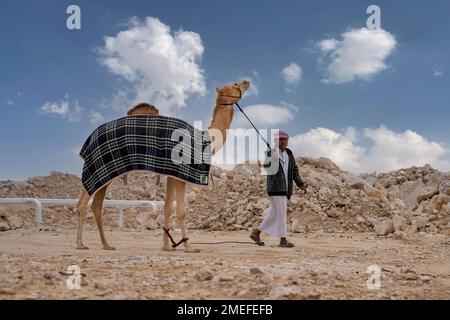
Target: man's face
{"type": "Point", "coordinates": [283, 143]}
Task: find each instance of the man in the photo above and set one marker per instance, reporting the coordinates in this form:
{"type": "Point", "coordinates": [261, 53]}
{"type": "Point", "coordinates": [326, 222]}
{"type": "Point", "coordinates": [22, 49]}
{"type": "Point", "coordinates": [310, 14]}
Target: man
{"type": "Point", "coordinates": [279, 189]}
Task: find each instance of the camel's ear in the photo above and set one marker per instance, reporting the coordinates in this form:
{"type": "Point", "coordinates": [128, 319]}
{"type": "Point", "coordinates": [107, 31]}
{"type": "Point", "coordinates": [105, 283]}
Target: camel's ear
{"type": "Point", "coordinates": [218, 90]}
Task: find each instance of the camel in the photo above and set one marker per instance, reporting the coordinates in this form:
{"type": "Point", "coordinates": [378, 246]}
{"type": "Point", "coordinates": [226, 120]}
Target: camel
{"type": "Point", "coordinates": [175, 189]}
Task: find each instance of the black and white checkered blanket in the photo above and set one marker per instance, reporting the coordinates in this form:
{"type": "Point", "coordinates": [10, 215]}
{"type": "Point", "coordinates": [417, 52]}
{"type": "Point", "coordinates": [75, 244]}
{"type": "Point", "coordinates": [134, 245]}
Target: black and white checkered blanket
{"type": "Point", "coordinates": [158, 144]}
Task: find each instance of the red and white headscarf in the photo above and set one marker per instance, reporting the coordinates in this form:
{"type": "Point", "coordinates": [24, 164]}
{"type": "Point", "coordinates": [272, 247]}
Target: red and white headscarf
{"type": "Point", "coordinates": [281, 134]}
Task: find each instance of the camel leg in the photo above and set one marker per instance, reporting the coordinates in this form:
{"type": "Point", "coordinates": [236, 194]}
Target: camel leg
{"type": "Point", "coordinates": [158, 180]}
{"type": "Point", "coordinates": [81, 210]}
{"type": "Point", "coordinates": [181, 213]}
{"type": "Point", "coordinates": [97, 206]}
{"type": "Point", "coordinates": [168, 207]}
{"type": "Point", "coordinates": [125, 179]}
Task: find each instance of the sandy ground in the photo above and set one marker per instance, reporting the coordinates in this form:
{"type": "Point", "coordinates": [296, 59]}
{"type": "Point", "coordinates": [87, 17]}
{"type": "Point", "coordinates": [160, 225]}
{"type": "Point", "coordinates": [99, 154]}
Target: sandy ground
{"type": "Point", "coordinates": [33, 265]}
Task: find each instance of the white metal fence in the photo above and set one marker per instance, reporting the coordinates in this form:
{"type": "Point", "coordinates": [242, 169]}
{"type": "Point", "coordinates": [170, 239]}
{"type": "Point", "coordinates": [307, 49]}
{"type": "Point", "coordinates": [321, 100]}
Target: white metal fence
{"type": "Point", "coordinates": [39, 204]}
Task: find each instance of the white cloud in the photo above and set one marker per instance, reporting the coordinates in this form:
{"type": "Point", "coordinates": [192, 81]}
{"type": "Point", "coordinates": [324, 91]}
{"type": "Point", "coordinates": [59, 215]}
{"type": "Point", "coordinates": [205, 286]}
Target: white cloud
{"type": "Point", "coordinates": [386, 150]}
{"type": "Point", "coordinates": [61, 109]}
{"type": "Point", "coordinates": [328, 44]}
{"type": "Point", "coordinates": [321, 142]}
{"type": "Point", "coordinates": [391, 151]}
{"type": "Point", "coordinates": [162, 67]}
{"type": "Point", "coordinates": [288, 105]}
{"type": "Point", "coordinates": [9, 102]}
{"type": "Point", "coordinates": [438, 70]}
{"type": "Point", "coordinates": [121, 101]}
{"type": "Point", "coordinates": [96, 117]}
{"type": "Point", "coordinates": [264, 115]}
{"type": "Point", "coordinates": [359, 55]}
{"type": "Point", "coordinates": [64, 109]}
{"type": "Point", "coordinates": [292, 73]}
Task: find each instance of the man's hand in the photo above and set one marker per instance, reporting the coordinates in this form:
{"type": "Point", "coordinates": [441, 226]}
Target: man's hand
{"type": "Point", "coordinates": [303, 189]}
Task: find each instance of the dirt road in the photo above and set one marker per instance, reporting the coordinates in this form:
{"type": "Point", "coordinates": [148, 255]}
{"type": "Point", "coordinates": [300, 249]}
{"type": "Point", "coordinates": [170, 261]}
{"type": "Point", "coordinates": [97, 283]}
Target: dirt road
{"type": "Point", "coordinates": [34, 264]}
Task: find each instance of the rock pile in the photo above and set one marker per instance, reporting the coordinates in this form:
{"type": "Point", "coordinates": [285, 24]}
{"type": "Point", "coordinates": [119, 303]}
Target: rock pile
{"type": "Point", "coordinates": [426, 193]}
{"type": "Point", "coordinates": [398, 203]}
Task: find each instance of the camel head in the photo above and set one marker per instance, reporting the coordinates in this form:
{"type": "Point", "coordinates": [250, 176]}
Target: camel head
{"type": "Point", "coordinates": [229, 95]}
{"type": "Point", "coordinates": [223, 112]}
{"type": "Point", "coordinates": [226, 98]}
{"type": "Point", "coordinates": [144, 109]}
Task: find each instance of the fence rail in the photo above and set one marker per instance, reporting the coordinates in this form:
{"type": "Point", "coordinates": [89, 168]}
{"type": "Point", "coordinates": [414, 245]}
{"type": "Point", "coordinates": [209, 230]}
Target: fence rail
{"type": "Point", "coordinates": [39, 204]}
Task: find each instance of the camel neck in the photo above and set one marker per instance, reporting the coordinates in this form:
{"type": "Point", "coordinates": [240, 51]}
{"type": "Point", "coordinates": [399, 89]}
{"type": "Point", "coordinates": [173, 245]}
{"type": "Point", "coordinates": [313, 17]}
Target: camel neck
{"type": "Point", "coordinates": [220, 124]}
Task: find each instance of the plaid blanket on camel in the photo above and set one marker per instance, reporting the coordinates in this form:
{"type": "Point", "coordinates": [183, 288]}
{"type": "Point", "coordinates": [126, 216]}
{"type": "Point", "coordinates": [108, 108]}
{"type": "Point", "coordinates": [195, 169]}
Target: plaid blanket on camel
{"type": "Point", "coordinates": [145, 143]}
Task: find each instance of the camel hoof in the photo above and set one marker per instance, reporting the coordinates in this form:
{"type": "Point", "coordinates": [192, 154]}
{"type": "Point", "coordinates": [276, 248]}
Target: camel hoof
{"type": "Point", "coordinates": [168, 249]}
{"type": "Point", "coordinates": [108, 248]}
{"type": "Point", "coordinates": [82, 248]}
{"type": "Point", "coordinates": [192, 250]}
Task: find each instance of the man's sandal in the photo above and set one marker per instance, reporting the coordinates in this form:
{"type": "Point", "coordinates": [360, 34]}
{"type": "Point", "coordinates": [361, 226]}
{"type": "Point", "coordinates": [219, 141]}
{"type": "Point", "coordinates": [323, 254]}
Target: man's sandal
{"type": "Point", "coordinates": [257, 240]}
{"type": "Point", "coordinates": [286, 244]}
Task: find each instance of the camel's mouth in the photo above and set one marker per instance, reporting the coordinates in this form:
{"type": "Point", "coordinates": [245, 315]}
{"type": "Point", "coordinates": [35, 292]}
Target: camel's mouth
{"type": "Point", "coordinates": [243, 85]}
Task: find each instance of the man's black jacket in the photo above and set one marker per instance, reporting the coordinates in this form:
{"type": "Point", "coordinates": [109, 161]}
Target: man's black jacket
{"type": "Point", "coordinates": [276, 181]}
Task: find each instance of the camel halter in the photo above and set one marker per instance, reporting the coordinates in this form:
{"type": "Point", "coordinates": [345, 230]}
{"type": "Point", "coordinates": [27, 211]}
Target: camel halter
{"type": "Point", "coordinates": [242, 111]}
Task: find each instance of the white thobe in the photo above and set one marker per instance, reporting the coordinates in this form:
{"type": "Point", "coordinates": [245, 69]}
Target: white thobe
{"type": "Point", "coordinates": [274, 222]}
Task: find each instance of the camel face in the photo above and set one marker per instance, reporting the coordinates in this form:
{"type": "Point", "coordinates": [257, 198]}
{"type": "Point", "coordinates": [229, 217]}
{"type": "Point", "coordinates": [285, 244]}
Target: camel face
{"type": "Point", "coordinates": [227, 97]}
{"type": "Point", "coordinates": [231, 94]}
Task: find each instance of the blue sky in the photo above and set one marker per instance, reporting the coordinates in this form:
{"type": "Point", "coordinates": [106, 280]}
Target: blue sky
{"type": "Point", "coordinates": [56, 85]}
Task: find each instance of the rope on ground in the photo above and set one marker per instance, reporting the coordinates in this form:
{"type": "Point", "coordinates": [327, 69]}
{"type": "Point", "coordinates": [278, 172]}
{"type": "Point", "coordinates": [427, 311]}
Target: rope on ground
{"type": "Point", "coordinates": [225, 242]}
{"type": "Point", "coordinates": [207, 243]}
